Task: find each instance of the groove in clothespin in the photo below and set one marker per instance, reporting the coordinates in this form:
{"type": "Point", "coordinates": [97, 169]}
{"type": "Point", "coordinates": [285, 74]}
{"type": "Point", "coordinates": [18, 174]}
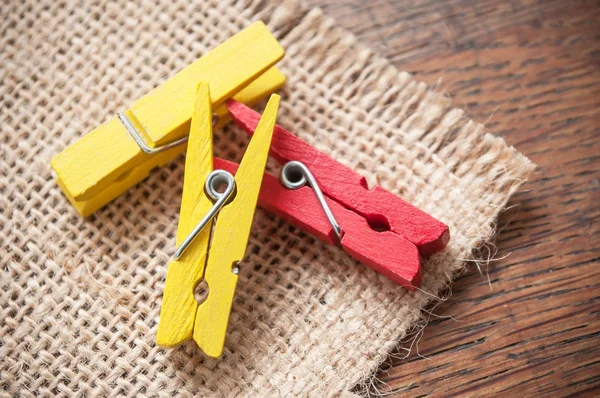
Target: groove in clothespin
{"type": "Point", "coordinates": [107, 161]}
{"type": "Point", "coordinates": [178, 310]}
{"type": "Point", "coordinates": [230, 238]}
{"type": "Point", "coordinates": [382, 209]}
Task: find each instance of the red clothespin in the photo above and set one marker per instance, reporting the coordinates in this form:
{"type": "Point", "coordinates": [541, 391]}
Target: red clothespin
{"type": "Point", "coordinates": [380, 229]}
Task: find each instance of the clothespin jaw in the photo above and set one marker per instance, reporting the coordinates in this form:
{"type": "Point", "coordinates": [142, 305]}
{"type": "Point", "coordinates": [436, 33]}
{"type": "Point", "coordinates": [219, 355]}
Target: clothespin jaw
{"type": "Point", "coordinates": [178, 311]}
{"type": "Point", "coordinates": [181, 316]}
{"type": "Point", "coordinates": [108, 161]}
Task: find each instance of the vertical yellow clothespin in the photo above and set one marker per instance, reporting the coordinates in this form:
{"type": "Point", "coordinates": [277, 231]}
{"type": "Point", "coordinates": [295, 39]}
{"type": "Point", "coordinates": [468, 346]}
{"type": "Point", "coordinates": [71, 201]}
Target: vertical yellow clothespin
{"type": "Point", "coordinates": [120, 153]}
{"type": "Point", "coordinates": [181, 317]}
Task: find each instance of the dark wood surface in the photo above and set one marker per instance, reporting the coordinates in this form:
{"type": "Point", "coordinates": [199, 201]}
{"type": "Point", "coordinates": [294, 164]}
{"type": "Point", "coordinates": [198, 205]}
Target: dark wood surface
{"type": "Point", "coordinates": [529, 70]}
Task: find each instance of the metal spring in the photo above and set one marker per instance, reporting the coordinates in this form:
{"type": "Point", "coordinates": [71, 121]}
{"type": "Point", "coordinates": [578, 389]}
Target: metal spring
{"type": "Point", "coordinates": [215, 179]}
{"type": "Point", "coordinates": [295, 175]}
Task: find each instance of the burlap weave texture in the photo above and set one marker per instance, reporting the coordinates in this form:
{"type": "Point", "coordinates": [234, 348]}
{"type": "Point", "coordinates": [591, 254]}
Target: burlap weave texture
{"type": "Point", "coordinates": [80, 298]}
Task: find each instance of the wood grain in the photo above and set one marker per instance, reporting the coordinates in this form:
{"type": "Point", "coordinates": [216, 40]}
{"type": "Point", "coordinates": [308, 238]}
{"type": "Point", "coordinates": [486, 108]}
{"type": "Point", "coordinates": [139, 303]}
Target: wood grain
{"type": "Point", "coordinates": [529, 70]}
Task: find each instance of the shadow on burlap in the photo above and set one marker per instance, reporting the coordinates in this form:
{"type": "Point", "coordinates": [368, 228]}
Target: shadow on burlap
{"type": "Point", "coordinates": [80, 298]}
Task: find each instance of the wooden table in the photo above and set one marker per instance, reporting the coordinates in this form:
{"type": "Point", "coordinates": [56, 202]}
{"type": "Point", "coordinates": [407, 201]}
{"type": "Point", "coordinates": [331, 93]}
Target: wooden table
{"type": "Point", "coordinates": [528, 326]}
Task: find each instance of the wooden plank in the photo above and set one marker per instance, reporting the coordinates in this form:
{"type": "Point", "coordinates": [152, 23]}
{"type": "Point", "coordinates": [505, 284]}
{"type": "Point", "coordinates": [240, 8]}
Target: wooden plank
{"type": "Point", "coordinates": [529, 70]}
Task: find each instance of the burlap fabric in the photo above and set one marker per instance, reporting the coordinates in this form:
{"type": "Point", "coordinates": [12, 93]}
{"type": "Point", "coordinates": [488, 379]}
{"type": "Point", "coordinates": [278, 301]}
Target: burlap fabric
{"type": "Point", "coordinates": [80, 298]}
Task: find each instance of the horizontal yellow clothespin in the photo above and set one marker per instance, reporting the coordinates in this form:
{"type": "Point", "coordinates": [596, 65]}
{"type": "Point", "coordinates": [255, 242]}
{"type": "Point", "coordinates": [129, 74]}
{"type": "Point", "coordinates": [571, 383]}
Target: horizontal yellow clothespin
{"type": "Point", "coordinates": [122, 152]}
{"type": "Point", "coordinates": [181, 317]}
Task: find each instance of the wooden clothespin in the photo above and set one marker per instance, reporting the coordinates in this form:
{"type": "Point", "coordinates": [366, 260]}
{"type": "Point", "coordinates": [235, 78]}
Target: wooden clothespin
{"type": "Point", "coordinates": [122, 152]}
{"type": "Point", "coordinates": [376, 227]}
{"type": "Point", "coordinates": [181, 317]}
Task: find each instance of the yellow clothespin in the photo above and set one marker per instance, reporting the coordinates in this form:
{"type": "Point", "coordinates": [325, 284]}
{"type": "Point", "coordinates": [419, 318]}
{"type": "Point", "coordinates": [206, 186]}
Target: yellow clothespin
{"type": "Point", "coordinates": [122, 152]}
{"type": "Point", "coordinates": [181, 317]}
